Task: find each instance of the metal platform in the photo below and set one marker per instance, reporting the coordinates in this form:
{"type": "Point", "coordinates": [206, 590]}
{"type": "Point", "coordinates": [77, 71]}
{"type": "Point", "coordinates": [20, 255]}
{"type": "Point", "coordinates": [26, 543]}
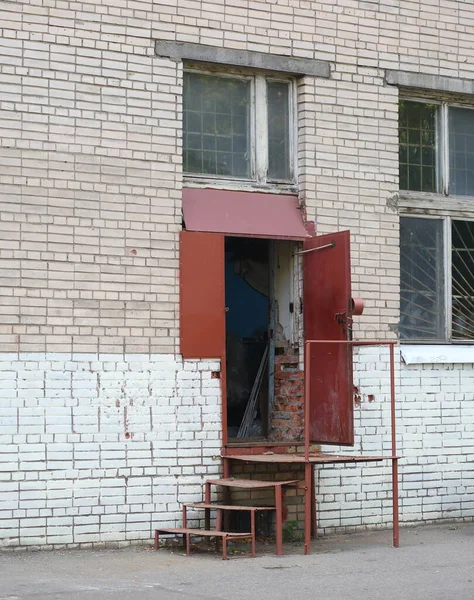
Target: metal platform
{"type": "Point", "coordinates": [249, 483]}
{"type": "Point", "coordinates": [317, 458]}
{"type": "Point", "coordinates": [238, 507]}
{"type": "Point", "coordinates": [302, 452]}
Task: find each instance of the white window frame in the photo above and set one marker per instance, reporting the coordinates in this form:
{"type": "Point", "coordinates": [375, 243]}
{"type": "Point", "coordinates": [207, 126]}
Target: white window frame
{"type": "Point", "coordinates": [258, 136]}
{"type": "Point", "coordinates": [442, 150]}
{"type": "Point", "coordinates": [440, 205]}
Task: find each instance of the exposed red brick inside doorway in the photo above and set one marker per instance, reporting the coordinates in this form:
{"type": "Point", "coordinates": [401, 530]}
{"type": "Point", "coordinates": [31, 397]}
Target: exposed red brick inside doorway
{"type": "Point", "coordinates": [286, 419]}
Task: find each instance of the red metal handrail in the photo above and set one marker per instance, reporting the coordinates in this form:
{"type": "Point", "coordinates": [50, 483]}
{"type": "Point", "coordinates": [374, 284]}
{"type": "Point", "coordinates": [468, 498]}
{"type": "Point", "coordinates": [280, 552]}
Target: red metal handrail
{"type": "Point", "coordinates": [394, 458]}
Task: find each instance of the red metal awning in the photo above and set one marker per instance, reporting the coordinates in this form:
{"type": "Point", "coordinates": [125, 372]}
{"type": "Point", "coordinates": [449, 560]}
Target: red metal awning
{"type": "Point", "coordinates": [246, 214]}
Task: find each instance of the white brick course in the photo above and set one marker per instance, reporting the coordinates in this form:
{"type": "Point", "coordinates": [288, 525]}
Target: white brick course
{"type": "Point", "coordinates": [112, 463]}
{"type": "Point", "coordinates": [435, 440]}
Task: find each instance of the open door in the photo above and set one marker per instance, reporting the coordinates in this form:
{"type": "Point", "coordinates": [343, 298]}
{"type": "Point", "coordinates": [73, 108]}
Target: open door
{"type": "Point", "coordinates": [202, 295]}
{"type": "Point", "coordinates": [327, 316]}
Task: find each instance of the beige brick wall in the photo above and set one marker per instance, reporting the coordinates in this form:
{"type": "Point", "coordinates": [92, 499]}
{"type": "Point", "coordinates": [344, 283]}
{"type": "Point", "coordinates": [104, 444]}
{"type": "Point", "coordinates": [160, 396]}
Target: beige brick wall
{"type": "Point", "coordinates": [91, 151]}
{"type": "Point", "coordinates": [90, 210]}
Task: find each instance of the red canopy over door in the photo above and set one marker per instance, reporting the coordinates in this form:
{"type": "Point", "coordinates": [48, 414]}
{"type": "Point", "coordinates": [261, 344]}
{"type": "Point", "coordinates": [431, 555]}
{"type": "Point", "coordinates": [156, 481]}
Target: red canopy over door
{"type": "Point", "coordinates": [327, 316]}
{"type": "Point", "coordinates": [202, 295]}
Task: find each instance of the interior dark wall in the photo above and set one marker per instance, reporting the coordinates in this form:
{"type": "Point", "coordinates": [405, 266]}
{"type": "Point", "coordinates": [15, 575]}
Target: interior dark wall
{"type": "Point", "coordinates": [246, 289]}
{"type": "Point", "coordinates": [248, 308]}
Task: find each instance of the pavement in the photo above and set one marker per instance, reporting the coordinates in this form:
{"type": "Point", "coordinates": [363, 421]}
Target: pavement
{"type": "Point", "coordinates": [432, 563]}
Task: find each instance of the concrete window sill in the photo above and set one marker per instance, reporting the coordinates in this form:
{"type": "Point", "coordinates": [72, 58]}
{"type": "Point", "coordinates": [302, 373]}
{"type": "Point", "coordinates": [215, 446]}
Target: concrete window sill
{"type": "Point", "coordinates": [417, 354]}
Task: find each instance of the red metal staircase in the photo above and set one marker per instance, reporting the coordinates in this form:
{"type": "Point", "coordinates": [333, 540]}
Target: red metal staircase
{"type": "Point", "coordinates": [223, 508]}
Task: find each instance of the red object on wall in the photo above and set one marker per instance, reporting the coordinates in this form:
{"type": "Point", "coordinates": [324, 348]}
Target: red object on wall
{"type": "Point", "coordinates": [358, 306]}
{"type": "Point", "coordinates": [245, 214]}
{"type": "Point", "coordinates": [202, 295]}
{"type": "Point", "coordinates": [327, 316]}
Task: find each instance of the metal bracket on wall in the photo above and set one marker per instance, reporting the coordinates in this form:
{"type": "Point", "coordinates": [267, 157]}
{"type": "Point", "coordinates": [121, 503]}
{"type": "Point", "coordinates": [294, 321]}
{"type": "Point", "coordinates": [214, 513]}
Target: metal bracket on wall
{"type": "Point", "coordinates": [331, 245]}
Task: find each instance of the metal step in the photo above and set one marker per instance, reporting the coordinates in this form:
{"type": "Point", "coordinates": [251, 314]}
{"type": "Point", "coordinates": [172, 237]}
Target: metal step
{"type": "Point", "coordinates": [227, 506]}
{"type": "Point", "coordinates": [250, 483]}
{"type": "Point", "coordinates": [187, 532]}
{"type": "Point", "coordinates": [204, 532]}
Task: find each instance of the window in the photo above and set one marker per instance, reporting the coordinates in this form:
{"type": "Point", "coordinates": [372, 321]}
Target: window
{"type": "Point", "coordinates": [436, 249]}
{"type": "Point", "coordinates": [437, 279]}
{"type": "Point", "coordinates": [436, 148]}
{"type": "Point", "coordinates": [417, 122]}
{"type": "Point", "coordinates": [238, 127]}
{"type": "Point", "coordinates": [422, 279]}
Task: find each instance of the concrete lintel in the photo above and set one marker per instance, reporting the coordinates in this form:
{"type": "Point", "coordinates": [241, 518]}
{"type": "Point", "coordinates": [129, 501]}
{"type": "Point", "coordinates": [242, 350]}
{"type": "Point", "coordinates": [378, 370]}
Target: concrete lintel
{"type": "Point", "coordinates": [243, 58]}
{"type": "Point", "coordinates": [424, 81]}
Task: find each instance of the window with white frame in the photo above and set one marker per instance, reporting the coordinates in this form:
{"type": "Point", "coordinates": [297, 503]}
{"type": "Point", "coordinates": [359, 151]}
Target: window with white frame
{"type": "Point", "coordinates": [238, 127]}
{"type": "Point", "coordinates": [437, 244]}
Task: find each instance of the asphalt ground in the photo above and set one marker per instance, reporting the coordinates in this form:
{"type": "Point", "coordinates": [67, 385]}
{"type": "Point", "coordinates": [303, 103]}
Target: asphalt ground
{"type": "Point", "coordinates": [432, 563]}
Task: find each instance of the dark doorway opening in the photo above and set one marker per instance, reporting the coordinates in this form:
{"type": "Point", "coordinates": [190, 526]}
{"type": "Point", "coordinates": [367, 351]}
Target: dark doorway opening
{"type": "Point", "coordinates": [248, 284]}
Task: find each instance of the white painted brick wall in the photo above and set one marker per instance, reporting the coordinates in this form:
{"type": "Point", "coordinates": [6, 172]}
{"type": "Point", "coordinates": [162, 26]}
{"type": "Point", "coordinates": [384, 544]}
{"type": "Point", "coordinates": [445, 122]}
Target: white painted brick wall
{"type": "Point", "coordinates": [101, 449]}
{"type": "Point", "coordinates": [435, 438]}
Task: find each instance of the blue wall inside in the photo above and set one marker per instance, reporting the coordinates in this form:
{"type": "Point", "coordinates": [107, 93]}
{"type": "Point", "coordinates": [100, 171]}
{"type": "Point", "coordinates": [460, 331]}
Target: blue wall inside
{"type": "Point", "coordinates": [248, 309]}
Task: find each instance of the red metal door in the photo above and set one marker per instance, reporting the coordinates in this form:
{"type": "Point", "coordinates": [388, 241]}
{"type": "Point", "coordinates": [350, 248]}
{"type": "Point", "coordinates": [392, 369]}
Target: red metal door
{"type": "Point", "coordinates": [327, 316]}
{"type": "Point", "coordinates": [202, 295]}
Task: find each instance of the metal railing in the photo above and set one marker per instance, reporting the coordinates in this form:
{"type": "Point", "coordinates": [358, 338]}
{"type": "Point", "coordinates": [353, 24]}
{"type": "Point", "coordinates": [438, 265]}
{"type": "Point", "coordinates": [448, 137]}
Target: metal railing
{"type": "Point", "coordinates": [394, 458]}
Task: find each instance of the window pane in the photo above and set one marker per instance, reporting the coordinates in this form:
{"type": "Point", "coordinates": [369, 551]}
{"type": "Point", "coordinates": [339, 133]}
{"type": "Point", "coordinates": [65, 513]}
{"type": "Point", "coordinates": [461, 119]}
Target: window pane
{"type": "Point", "coordinates": [463, 280]}
{"type": "Point", "coordinates": [417, 140]}
{"type": "Point", "coordinates": [216, 135]}
{"type": "Point", "coordinates": [461, 151]}
{"type": "Point", "coordinates": [278, 130]}
{"type": "Point", "coordinates": [422, 280]}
